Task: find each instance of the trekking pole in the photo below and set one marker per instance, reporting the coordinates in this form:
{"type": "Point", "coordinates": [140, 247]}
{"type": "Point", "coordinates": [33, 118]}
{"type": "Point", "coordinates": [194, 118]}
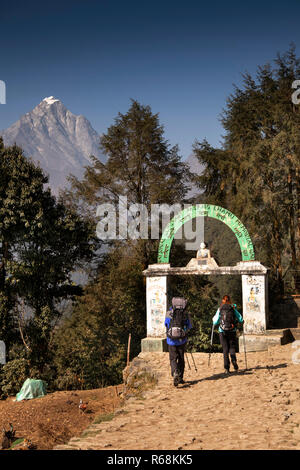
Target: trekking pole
{"type": "Point", "coordinates": [211, 343]}
{"type": "Point", "coordinates": [187, 360]}
{"type": "Point", "coordinates": [194, 362]}
{"type": "Point", "coordinates": [245, 350]}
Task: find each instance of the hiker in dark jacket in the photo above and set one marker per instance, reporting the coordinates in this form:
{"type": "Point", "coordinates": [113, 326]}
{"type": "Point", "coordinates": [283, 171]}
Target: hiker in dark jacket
{"type": "Point", "coordinates": [227, 316]}
{"type": "Point", "coordinates": [177, 337]}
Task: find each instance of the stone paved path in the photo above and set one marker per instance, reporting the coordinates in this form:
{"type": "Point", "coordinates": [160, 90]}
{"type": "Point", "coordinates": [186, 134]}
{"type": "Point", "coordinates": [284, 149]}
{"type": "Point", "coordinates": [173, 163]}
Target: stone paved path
{"type": "Point", "coordinates": [256, 409]}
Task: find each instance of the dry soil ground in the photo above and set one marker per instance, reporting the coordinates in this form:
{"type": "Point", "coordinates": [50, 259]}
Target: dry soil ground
{"type": "Point", "coordinates": [55, 418]}
{"type": "Point", "coordinates": [254, 409]}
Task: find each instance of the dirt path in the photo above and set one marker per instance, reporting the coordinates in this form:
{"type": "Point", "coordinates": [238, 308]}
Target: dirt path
{"type": "Point", "coordinates": [257, 409]}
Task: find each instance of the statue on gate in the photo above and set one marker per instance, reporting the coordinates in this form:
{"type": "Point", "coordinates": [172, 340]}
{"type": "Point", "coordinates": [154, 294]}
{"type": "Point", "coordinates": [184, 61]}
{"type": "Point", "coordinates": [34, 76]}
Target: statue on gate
{"type": "Point", "coordinates": [203, 253]}
{"type": "Point", "coordinates": [203, 259]}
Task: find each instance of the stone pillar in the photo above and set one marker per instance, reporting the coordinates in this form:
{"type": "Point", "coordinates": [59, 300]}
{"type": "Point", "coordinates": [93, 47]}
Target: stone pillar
{"type": "Point", "coordinates": [156, 298]}
{"type": "Point", "coordinates": [255, 305]}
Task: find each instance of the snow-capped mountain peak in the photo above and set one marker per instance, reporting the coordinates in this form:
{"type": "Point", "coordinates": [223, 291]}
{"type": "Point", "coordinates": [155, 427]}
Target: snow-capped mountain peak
{"type": "Point", "coordinates": [60, 141]}
{"type": "Point", "coordinates": [50, 100]}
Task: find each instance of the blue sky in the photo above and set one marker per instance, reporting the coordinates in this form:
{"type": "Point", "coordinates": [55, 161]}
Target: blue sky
{"type": "Point", "coordinates": [181, 58]}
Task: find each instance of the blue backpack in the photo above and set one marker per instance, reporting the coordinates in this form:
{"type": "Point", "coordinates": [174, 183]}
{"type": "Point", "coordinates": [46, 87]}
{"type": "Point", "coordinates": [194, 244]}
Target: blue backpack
{"type": "Point", "coordinates": [178, 318]}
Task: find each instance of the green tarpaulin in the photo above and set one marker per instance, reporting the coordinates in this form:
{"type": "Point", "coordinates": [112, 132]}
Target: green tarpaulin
{"type": "Point", "coordinates": [31, 389]}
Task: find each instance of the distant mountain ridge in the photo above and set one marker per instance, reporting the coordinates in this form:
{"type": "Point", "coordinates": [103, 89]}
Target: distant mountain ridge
{"type": "Point", "coordinates": [60, 141]}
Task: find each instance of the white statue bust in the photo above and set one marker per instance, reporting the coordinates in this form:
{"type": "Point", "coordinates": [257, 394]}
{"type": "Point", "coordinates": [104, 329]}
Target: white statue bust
{"type": "Point", "coordinates": [203, 260]}
{"type": "Point", "coordinates": [203, 252]}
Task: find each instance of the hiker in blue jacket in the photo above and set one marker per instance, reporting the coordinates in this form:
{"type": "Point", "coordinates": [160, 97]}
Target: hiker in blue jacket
{"type": "Point", "coordinates": [227, 317]}
{"type": "Point", "coordinates": [177, 323]}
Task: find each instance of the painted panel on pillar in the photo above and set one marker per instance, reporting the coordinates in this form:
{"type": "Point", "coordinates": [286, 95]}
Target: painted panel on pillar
{"type": "Point", "coordinates": [156, 305]}
{"type": "Point", "coordinates": [254, 304]}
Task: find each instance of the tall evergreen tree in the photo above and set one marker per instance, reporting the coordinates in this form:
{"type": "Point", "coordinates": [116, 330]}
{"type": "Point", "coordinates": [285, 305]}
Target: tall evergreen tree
{"type": "Point", "coordinates": [140, 165]}
{"type": "Point", "coordinates": [257, 170]}
{"type": "Point", "coordinates": [143, 167]}
{"type": "Point", "coordinates": [41, 243]}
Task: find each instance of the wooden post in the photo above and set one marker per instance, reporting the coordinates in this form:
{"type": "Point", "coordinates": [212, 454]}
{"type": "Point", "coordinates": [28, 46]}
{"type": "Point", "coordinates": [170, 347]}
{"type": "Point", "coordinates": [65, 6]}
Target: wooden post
{"type": "Point", "coordinates": [128, 348]}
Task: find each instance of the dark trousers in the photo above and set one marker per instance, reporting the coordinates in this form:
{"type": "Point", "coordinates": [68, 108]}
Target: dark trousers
{"type": "Point", "coordinates": [176, 354]}
{"type": "Point", "coordinates": [228, 342]}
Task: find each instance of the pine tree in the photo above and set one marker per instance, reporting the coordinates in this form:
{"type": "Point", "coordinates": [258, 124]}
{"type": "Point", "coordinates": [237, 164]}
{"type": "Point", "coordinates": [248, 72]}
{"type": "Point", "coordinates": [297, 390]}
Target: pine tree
{"type": "Point", "coordinates": [143, 167]}
{"type": "Point", "coordinates": [140, 165]}
{"type": "Point", "coordinates": [256, 172]}
{"type": "Point", "coordinates": [41, 243]}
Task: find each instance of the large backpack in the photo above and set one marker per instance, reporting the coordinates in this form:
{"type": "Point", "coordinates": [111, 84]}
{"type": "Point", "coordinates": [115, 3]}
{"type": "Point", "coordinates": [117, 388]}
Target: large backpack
{"type": "Point", "coordinates": [227, 317]}
{"type": "Point", "coordinates": [178, 318]}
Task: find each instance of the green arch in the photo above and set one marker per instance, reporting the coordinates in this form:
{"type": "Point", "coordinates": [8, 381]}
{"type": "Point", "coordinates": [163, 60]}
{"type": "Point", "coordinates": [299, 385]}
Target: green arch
{"type": "Point", "coordinates": [205, 210]}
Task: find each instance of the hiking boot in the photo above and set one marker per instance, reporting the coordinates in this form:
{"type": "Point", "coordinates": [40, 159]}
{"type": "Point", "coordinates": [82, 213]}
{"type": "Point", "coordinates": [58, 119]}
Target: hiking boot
{"type": "Point", "coordinates": [176, 380]}
{"type": "Point", "coordinates": [226, 371]}
{"type": "Point", "coordinates": [181, 381]}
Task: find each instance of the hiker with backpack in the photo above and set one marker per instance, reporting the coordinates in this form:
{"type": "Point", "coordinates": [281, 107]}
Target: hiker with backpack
{"type": "Point", "coordinates": [177, 323]}
{"type": "Point", "coordinates": [227, 317]}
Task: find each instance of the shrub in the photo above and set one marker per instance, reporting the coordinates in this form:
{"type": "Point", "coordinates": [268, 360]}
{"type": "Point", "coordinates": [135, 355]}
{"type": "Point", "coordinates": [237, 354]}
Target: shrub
{"type": "Point", "coordinates": [13, 375]}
